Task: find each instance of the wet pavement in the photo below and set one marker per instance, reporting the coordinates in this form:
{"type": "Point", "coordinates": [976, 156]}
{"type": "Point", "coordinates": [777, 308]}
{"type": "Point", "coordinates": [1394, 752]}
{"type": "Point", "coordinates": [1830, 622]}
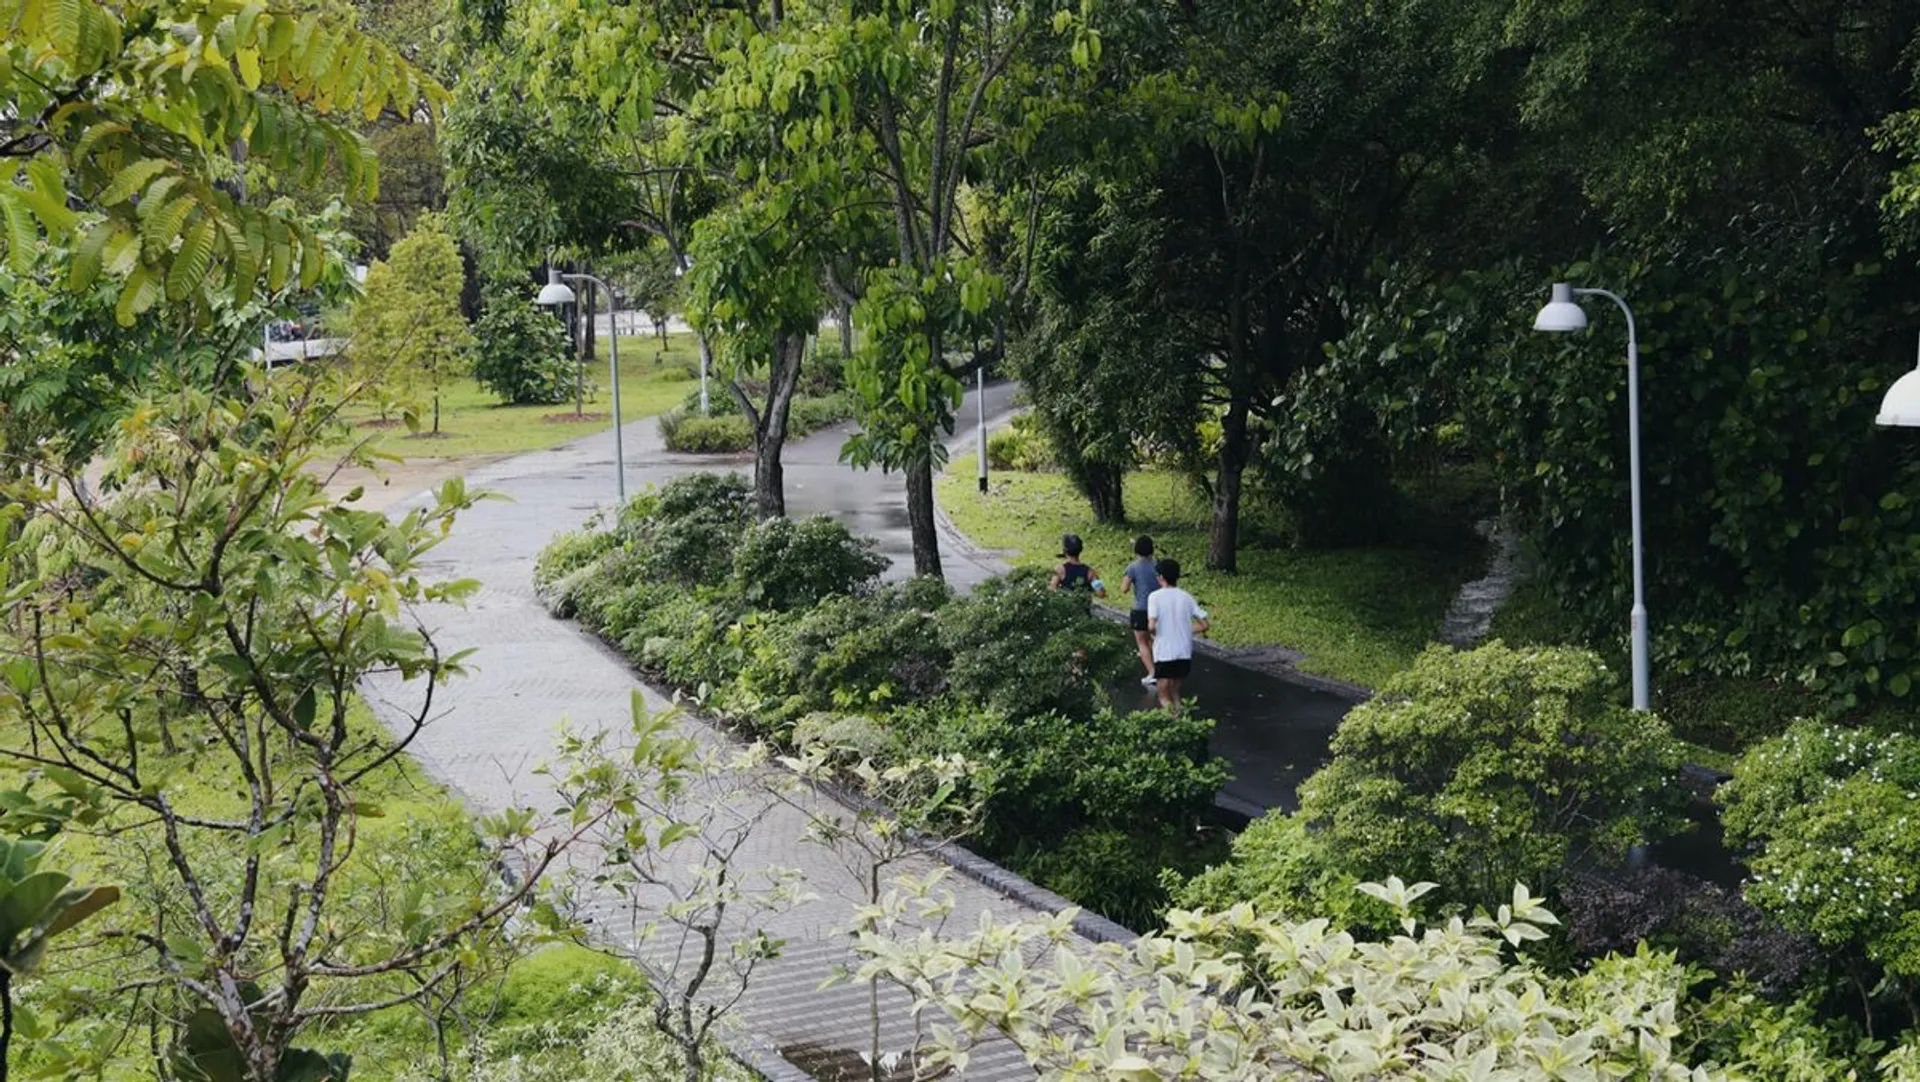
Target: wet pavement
{"type": "Point", "coordinates": [1272, 732]}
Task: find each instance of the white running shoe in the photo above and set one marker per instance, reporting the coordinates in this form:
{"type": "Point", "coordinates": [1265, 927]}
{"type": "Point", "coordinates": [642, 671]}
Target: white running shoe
{"type": "Point", "coordinates": [1149, 681]}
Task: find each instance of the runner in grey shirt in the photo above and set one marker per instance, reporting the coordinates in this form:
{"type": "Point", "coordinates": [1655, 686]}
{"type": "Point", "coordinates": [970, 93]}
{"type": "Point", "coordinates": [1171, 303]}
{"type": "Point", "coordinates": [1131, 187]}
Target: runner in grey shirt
{"type": "Point", "coordinates": [1141, 579]}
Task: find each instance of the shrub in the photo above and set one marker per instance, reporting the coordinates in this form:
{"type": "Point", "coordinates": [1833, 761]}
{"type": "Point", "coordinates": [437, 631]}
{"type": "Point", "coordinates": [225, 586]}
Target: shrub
{"type": "Point", "coordinates": [690, 435]}
{"type": "Point", "coordinates": [813, 413]}
{"type": "Point", "coordinates": [559, 981]}
{"type": "Point", "coordinates": [1021, 446]}
{"type": "Point", "coordinates": [1025, 650]}
{"type": "Point", "coordinates": [782, 564]}
{"type": "Point", "coordinates": [1701, 922]}
{"type": "Point", "coordinates": [859, 736]}
{"type": "Point", "coordinates": [859, 653]}
{"type": "Point", "coordinates": [1492, 766]}
{"type": "Point", "coordinates": [1242, 994]}
{"type": "Point", "coordinates": [1282, 867]}
{"type": "Point", "coordinates": [1114, 872]}
{"type": "Point", "coordinates": [1763, 1041]}
{"type": "Point", "coordinates": [1048, 773]}
{"type": "Point", "coordinates": [726, 496]}
{"type": "Point", "coordinates": [1835, 816]}
{"type": "Point", "coordinates": [521, 352]}
{"type": "Point", "coordinates": [570, 552]}
{"type": "Point", "coordinates": [686, 533]}
{"type": "Point", "coordinates": [807, 414]}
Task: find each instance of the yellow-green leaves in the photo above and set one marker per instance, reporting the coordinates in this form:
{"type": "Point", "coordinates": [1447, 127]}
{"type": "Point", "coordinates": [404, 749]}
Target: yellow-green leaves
{"type": "Point", "coordinates": [129, 113]}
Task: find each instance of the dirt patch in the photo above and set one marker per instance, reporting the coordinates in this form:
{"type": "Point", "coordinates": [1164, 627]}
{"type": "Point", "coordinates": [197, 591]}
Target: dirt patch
{"type": "Point", "coordinates": [574, 418]}
{"type": "Point", "coordinates": [847, 1065]}
{"type": "Point", "coordinates": [375, 422]}
{"type": "Point", "coordinates": [432, 435]}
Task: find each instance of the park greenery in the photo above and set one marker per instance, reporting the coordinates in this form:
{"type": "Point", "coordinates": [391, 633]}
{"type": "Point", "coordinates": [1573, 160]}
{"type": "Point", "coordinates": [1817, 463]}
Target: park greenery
{"type": "Point", "coordinates": [780, 627]}
{"type": "Point", "coordinates": [1266, 274]}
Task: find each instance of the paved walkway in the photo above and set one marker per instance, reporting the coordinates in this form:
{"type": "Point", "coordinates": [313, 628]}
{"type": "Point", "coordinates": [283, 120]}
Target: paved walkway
{"type": "Point", "coordinates": [531, 673]}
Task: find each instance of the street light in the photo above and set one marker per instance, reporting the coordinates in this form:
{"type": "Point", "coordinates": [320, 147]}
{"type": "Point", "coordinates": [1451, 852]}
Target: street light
{"type": "Point", "coordinates": [557, 292]}
{"type": "Point", "coordinates": [1901, 407]}
{"type": "Point", "coordinates": [1562, 314]}
{"type": "Point", "coordinates": [680, 268]}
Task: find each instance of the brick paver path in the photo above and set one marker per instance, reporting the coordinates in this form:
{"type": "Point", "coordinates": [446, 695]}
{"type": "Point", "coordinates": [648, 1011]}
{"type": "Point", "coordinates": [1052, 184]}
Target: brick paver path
{"type": "Point", "coordinates": [530, 672]}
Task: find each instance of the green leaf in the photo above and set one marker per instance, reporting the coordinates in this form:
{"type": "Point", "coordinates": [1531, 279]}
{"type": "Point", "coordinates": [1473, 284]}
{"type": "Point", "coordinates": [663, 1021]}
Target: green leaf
{"type": "Point", "coordinates": [86, 263]}
{"type": "Point", "coordinates": [77, 905]}
{"type": "Point", "coordinates": [138, 294]}
{"type": "Point", "coordinates": [23, 237]}
{"type": "Point", "coordinates": [132, 179]}
{"type": "Point", "coordinates": [192, 262]}
{"type": "Point", "coordinates": [304, 708]}
{"type": "Point", "coordinates": [164, 224]}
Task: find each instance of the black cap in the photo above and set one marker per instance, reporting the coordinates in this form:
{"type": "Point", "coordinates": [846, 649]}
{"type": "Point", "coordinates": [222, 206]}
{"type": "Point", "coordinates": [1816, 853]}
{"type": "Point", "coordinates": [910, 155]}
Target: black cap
{"type": "Point", "coordinates": [1070, 545]}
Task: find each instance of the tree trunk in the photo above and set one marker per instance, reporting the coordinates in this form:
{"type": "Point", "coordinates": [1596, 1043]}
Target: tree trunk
{"type": "Point", "coordinates": [6, 1021]}
{"type": "Point", "coordinates": [770, 432]}
{"type": "Point", "coordinates": [920, 517]}
{"type": "Point", "coordinates": [1104, 493]}
{"type": "Point", "coordinates": [1223, 537]}
{"type": "Point", "coordinates": [846, 329]}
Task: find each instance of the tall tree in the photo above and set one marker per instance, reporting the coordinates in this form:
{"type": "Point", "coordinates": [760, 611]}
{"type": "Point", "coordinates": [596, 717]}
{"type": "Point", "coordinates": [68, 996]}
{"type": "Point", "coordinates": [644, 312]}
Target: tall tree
{"type": "Point", "coordinates": [1263, 159]}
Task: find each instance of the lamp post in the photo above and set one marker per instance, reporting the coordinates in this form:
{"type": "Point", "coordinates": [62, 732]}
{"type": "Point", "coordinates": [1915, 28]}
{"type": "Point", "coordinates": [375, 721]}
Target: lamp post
{"type": "Point", "coordinates": [1901, 406]}
{"type": "Point", "coordinates": [680, 267]}
{"type": "Point", "coordinates": [557, 292]}
{"type": "Point", "coordinates": [1562, 315]}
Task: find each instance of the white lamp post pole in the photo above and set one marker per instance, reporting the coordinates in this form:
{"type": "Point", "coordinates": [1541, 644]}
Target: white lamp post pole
{"type": "Point", "coordinates": [1561, 314]}
{"type": "Point", "coordinates": [556, 292]}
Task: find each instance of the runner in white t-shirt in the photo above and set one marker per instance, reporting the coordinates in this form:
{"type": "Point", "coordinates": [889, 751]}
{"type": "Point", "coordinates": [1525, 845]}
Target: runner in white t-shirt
{"type": "Point", "coordinates": [1173, 616]}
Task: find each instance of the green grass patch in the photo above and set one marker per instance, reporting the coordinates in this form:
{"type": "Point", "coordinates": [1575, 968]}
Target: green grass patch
{"type": "Point", "coordinates": [653, 380]}
{"type": "Point", "coordinates": [1360, 615]}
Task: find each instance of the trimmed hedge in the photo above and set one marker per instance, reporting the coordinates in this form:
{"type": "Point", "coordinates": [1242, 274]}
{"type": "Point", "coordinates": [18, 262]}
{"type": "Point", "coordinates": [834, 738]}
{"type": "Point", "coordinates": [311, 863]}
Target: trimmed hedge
{"type": "Point", "coordinates": [781, 627]}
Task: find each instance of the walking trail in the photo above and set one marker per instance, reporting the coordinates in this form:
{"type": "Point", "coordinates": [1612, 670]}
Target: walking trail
{"type": "Point", "coordinates": [531, 673]}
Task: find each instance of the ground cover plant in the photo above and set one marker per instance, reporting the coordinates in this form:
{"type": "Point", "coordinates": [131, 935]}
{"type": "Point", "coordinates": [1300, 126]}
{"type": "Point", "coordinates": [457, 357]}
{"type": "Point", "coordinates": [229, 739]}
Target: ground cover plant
{"type": "Point", "coordinates": [782, 627]}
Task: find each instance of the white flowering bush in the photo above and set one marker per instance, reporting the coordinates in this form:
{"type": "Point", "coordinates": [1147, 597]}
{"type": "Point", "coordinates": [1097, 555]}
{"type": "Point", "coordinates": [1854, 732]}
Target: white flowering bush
{"type": "Point", "coordinates": [1832, 816]}
{"type": "Point", "coordinates": [1238, 994]}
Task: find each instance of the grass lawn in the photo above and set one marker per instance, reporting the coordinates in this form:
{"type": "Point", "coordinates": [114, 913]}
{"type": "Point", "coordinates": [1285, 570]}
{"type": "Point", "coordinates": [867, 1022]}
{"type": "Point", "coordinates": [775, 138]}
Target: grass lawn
{"type": "Point", "coordinates": [473, 422]}
{"type": "Point", "coordinates": [1360, 615]}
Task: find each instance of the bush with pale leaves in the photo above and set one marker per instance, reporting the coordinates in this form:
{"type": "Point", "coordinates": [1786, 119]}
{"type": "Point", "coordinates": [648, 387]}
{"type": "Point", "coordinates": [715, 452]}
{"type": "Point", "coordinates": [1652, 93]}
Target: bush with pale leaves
{"type": "Point", "coordinates": [1238, 995]}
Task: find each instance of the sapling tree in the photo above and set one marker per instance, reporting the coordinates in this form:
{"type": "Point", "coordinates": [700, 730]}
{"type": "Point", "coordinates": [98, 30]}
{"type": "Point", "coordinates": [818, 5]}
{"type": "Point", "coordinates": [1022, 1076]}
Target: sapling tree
{"type": "Point", "coordinates": [219, 599]}
{"type": "Point", "coordinates": [673, 821]}
{"type": "Point", "coordinates": [408, 332]}
{"type": "Point", "coordinates": [892, 814]}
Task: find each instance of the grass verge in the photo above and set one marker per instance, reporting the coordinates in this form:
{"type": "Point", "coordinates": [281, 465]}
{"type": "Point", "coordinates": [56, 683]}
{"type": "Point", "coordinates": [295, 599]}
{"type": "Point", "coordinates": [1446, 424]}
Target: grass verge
{"type": "Point", "coordinates": [1359, 615]}
{"type": "Point", "coordinates": [653, 380]}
